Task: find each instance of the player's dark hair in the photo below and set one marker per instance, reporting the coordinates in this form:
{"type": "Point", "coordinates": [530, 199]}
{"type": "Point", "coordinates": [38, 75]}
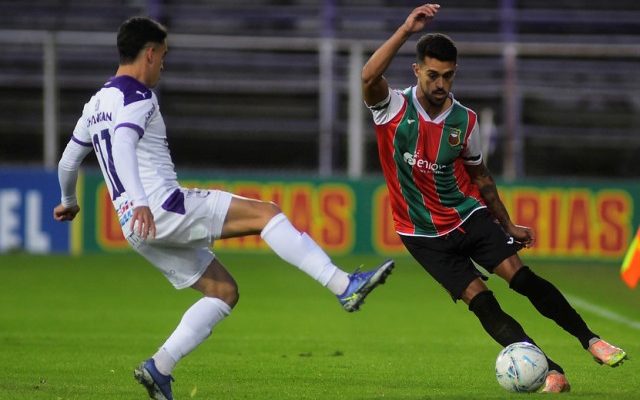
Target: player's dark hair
{"type": "Point", "coordinates": [438, 46]}
{"type": "Point", "coordinates": [135, 33]}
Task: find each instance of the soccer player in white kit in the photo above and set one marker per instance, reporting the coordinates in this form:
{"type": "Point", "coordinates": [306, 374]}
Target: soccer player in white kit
{"type": "Point", "coordinates": [174, 227]}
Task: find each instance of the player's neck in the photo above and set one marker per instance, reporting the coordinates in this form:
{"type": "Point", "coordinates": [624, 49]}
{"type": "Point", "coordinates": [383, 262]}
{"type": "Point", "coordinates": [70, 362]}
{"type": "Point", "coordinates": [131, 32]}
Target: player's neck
{"type": "Point", "coordinates": [433, 110]}
{"type": "Point", "coordinates": [133, 71]}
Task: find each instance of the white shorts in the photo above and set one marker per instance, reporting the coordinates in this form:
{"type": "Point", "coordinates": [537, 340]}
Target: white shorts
{"type": "Point", "coordinates": [187, 223]}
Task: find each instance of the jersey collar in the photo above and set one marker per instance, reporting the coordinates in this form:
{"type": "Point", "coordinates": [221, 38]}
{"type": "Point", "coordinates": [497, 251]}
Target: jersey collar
{"type": "Point", "coordinates": [443, 115]}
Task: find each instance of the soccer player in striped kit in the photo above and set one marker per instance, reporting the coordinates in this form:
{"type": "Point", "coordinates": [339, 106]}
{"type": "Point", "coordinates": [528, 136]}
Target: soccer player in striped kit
{"type": "Point", "coordinates": [445, 204]}
{"type": "Point", "coordinates": [171, 226]}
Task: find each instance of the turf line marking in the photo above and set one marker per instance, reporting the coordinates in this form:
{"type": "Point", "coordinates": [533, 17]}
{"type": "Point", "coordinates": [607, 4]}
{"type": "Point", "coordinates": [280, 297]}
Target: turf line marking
{"type": "Point", "coordinates": [603, 312]}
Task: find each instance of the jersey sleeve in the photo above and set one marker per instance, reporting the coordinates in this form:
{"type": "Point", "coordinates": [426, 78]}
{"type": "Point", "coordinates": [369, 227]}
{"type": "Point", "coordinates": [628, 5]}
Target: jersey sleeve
{"type": "Point", "coordinates": [388, 108]}
{"type": "Point", "coordinates": [130, 126]}
{"type": "Point", "coordinates": [68, 166]}
{"type": "Point", "coordinates": [472, 152]}
{"type": "Point", "coordinates": [125, 162]}
{"type": "Point", "coordinates": [81, 133]}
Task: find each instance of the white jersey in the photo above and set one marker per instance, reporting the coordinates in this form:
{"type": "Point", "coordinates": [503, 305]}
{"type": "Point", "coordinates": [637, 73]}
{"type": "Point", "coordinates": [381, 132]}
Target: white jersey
{"type": "Point", "coordinates": [187, 220]}
{"type": "Point", "coordinates": [125, 102]}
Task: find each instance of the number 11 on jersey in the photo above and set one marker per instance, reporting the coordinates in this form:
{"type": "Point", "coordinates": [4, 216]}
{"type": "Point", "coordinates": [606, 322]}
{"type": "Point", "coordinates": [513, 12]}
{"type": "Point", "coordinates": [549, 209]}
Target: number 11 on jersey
{"type": "Point", "coordinates": [102, 145]}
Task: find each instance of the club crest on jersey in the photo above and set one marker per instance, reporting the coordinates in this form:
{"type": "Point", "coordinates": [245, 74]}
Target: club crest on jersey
{"type": "Point", "coordinates": [454, 136]}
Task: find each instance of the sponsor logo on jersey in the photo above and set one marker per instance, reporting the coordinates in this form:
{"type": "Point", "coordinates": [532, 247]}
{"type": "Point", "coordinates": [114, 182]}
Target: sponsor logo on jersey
{"type": "Point", "coordinates": [124, 210]}
{"type": "Point", "coordinates": [424, 165]}
{"type": "Point", "coordinates": [149, 114]}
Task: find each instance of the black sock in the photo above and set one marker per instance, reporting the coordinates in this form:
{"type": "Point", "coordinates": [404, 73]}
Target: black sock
{"type": "Point", "coordinates": [548, 300]}
{"type": "Point", "coordinates": [500, 325]}
{"type": "Point", "coordinates": [553, 366]}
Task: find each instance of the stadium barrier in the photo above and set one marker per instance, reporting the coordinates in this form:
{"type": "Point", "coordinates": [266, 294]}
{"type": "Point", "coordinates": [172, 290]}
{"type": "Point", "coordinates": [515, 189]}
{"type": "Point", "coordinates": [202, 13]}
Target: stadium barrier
{"type": "Point", "coordinates": [578, 221]}
{"type": "Point", "coordinates": [27, 198]}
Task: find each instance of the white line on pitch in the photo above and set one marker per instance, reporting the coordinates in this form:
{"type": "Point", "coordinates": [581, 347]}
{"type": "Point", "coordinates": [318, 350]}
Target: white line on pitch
{"type": "Point", "coordinates": [603, 312]}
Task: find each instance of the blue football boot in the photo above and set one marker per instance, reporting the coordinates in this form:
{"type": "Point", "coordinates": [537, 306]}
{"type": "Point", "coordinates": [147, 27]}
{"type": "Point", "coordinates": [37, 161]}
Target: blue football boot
{"type": "Point", "coordinates": [361, 283]}
{"type": "Point", "coordinates": [158, 385]}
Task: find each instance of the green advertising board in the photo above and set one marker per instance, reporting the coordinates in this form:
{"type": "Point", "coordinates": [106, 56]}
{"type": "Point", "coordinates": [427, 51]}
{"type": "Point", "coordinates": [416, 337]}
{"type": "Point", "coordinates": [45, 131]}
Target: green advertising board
{"type": "Point", "coordinates": [586, 220]}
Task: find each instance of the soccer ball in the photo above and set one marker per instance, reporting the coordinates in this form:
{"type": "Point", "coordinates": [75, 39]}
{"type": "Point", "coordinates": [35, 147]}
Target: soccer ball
{"type": "Point", "coordinates": [521, 367]}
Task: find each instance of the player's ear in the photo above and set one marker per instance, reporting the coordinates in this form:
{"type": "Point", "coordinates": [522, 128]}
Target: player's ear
{"type": "Point", "coordinates": [148, 54]}
{"type": "Point", "coordinates": [416, 69]}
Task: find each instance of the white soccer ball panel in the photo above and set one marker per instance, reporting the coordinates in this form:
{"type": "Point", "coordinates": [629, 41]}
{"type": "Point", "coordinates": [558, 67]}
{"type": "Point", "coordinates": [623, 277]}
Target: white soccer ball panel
{"type": "Point", "coordinates": [521, 367]}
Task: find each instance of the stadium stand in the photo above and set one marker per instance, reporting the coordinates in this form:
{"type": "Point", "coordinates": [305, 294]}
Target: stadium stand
{"type": "Point", "coordinates": [257, 107]}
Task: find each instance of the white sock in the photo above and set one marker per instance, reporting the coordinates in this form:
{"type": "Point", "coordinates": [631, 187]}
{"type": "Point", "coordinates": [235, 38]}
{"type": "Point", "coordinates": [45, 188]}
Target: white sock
{"type": "Point", "coordinates": [300, 250]}
{"type": "Point", "coordinates": [195, 326]}
{"type": "Point", "coordinates": [338, 282]}
{"type": "Point", "coordinates": [164, 362]}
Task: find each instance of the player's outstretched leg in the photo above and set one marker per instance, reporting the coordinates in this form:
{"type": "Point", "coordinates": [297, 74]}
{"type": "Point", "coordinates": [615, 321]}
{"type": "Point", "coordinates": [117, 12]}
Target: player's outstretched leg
{"type": "Point", "coordinates": [158, 385]}
{"type": "Point", "coordinates": [362, 283]}
{"type": "Point", "coordinates": [551, 303]}
{"type": "Point", "coordinates": [299, 249]}
{"type": "Point", "coordinates": [555, 382]}
{"type": "Point", "coordinates": [605, 353]}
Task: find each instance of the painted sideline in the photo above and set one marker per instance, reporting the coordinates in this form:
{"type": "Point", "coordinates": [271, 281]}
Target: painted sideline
{"type": "Point", "coordinates": [603, 312]}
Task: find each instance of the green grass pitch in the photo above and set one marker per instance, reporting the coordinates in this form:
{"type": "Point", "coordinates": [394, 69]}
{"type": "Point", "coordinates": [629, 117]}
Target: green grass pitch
{"type": "Point", "coordinates": [75, 327]}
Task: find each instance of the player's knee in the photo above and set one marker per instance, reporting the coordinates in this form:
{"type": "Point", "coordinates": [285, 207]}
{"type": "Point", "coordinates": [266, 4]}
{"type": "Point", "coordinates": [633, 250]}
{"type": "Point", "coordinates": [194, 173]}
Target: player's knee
{"type": "Point", "coordinates": [271, 209]}
{"type": "Point", "coordinates": [268, 210]}
{"type": "Point", "coordinates": [233, 297]}
{"type": "Point", "coordinates": [228, 293]}
{"type": "Point", "coordinates": [484, 303]}
{"type": "Point", "coordinates": [523, 281]}
{"type": "Point", "coordinates": [225, 291]}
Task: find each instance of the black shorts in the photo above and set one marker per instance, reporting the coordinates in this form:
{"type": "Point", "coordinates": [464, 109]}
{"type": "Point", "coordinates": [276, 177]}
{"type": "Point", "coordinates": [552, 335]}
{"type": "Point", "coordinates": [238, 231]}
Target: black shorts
{"type": "Point", "coordinates": [448, 258]}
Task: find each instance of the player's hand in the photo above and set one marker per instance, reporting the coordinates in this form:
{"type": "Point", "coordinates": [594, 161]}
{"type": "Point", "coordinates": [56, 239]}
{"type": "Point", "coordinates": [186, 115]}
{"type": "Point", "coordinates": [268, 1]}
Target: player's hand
{"type": "Point", "coordinates": [142, 222]}
{"type": "Point", "coordinates": [62, 213]}
{"type": "Point", "coordinates": [522, 234]}
{"type": "Point", "coordinates": [420, 17]}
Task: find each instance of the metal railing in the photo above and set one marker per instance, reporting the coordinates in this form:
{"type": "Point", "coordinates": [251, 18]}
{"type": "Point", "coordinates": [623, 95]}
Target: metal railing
{"type": "Point", "coordinates": [327, 83]}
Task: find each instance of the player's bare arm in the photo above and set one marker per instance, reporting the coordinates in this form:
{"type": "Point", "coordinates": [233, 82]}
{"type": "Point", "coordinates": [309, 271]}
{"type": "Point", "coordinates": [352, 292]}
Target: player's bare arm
{"type": "Point", "coordinates": [481, 176]}
{"type": "Point", "coordinates": [63, 213]}
{"type": "Point", "coordinates": [374, 86]}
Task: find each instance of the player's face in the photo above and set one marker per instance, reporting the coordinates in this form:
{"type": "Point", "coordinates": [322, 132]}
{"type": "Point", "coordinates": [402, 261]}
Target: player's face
{"type": "Point", "coordinates": [435, 79]}
{"type": "Point", "coordinates": [159, 51]}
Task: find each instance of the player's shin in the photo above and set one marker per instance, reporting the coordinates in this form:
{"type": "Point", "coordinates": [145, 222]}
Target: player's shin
{"type": "Point", "coordinates": [550, 302]}
{"type": "Point", "coordinates": [196, 325]}
{"type": "Point", "coordinates": [498, 324]}
{"type": "Point", "coordinates": [302, 251]}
